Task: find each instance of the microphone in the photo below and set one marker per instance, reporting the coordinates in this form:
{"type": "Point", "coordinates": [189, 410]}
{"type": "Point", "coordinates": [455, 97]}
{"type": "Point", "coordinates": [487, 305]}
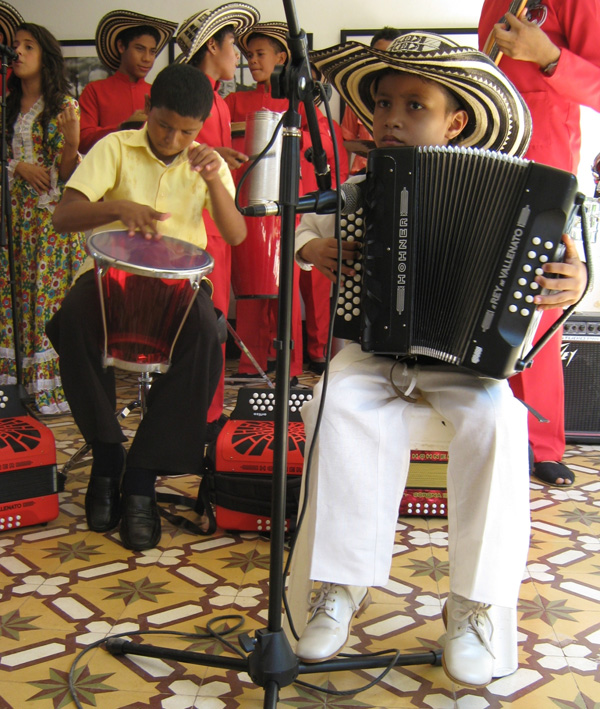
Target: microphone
{"type": "Point", "coordinates": [8, 52]}
{"type": "Point", "coordinates": [318, 202]}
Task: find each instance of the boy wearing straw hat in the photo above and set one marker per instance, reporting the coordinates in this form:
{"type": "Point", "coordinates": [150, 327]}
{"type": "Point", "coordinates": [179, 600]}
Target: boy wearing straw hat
{"type": "Point", "coordinates": [207, 40]}
{"type": "Point", "coordinates": [10, 19]}
{"type": "Point", "coordinates": [128, 44]}
{"type": "Point", "coordinates": [424, 90]}
{"type": "Point", "coordinates": [265, 47]}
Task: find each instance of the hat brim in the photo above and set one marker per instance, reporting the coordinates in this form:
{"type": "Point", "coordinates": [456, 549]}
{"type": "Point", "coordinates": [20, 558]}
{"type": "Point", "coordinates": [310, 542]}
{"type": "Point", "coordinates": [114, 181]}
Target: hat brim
{"type": "Point", "coordinates": [274, 30]}
{"type": "Point", "coordinates": [498, 116]}
{"type": "Point", "coordinates": [196, 31]}
{"type": "Point", "coordinates": [115, 22]}
{"type": "Point", "coordinates": [10, 19]}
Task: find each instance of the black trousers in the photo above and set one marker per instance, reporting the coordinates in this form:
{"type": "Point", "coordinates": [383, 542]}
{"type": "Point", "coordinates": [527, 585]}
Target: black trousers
{"type": "Point", "coordinates": [170, 437]}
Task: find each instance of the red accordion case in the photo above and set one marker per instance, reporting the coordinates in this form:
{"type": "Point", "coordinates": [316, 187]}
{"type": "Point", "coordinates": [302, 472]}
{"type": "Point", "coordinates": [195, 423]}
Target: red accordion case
{"type": "Point", "coordinates": [425, 493]}
{"type": "Point", "coordinates": [243, 460]}
{"type": "Point", "coordinates": [28, 475]}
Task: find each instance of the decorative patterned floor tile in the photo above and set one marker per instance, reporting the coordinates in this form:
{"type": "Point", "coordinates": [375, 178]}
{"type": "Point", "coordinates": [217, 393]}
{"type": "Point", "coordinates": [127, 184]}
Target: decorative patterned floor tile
{"type": "Point", "coordinates": [63, 588]}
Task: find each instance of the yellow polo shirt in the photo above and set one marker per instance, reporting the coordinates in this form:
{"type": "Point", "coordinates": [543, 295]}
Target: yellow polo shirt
{"type": "Point", "coordinates": [122, 166]}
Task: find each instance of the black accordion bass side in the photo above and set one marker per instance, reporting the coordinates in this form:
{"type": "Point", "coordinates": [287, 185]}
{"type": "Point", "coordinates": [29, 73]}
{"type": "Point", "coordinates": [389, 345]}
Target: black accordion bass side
{"type": "Point", "coordinates": [453, 239]}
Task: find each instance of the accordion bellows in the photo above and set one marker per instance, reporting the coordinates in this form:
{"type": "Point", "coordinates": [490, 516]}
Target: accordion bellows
{"type": "Point", "coordinates": [453, 241]}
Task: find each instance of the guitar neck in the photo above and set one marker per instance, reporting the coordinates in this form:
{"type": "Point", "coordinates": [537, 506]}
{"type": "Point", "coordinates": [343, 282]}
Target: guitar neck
{"type": "Point", "coordinates": [491, 48]}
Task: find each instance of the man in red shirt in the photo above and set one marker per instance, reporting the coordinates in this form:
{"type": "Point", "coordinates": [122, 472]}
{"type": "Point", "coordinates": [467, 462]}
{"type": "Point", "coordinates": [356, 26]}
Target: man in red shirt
{"type": "Point", "coordinates": [265, 47]}
{"type": "Point", "coordinates": [128, 43]}
{"type": "Point", "coordinates": [207, 40]}
{"type": "Point", "coordinates": [352, 127]}
{"type": "Point", "coordinates": [315, 288]}
{"type": "Point", "coordinates": [552, 55]}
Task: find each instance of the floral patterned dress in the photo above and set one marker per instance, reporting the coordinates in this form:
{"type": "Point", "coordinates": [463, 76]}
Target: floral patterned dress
{"type": "Point", "coordinates": [45, 263]}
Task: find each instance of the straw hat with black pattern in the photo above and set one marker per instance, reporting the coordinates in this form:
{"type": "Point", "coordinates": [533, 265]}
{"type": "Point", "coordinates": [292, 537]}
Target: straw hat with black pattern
{"type": "Point", "coordinates": [116, 21]}
{"type": "Point", "coordinates": [199, 28]}
{"type": "Point", "coordinates": [10, 19]}
{"type": "Point", "coordinates": [498, 116]}
{"type": "Point", "coordinates": [274, 30]}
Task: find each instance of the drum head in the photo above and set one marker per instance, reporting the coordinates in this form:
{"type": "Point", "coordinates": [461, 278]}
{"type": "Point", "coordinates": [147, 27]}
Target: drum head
{"type": "Point", "coordinates": [158, 258]}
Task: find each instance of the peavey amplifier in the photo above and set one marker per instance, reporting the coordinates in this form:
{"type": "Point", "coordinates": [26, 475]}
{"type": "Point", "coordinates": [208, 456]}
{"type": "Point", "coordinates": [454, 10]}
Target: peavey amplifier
{"type": "Point", "coordinates": [240, 482]}
{"type": "Point", "coordinates": [581, 366]}
{"type": "Point", "coordinates": [28, 475]}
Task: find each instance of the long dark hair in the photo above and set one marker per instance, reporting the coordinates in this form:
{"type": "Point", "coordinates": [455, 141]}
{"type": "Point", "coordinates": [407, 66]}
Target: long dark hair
{"type": "Point", "coordinates": [55, 85]}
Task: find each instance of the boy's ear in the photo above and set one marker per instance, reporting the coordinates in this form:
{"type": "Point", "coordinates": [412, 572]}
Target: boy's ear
{"type": "Point", "coordinates": [281, 57]}
{"type": "Point", "coordinates": [121, 47]}
{"type": "Point", "coordinates": [212, 45]}
{"type": "Point", "coordinates": [457, 123]}
{"type": "Point", "coordinates": [147, 104]}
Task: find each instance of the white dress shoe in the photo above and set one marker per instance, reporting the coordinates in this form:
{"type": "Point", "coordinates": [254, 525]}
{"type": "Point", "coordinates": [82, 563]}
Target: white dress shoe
{"type": "Point", "coordinates": [333, 608]}
{"type": "Point", "coordinates": [467, 657]}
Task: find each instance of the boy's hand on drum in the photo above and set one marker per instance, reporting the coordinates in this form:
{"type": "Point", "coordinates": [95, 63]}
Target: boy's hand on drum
{"type": "Point", "coordinates": [232, 157]}
{"type": "Point", "coordinates": [205, 160]}
{"type": "Point", "coordinates": [567, 289]}
{"type": "Point", "coordinates": [141, 218]}
{"type": "Point", "coordinates": [322, 253]}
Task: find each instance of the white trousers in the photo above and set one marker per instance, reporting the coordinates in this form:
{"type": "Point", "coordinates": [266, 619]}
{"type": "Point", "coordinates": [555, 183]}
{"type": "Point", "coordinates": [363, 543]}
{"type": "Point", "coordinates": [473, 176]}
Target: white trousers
{"type": "Point", "coordinates": [360, 466]}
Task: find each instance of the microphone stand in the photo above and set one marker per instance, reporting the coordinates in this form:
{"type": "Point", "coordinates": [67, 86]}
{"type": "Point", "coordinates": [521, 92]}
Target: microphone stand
{"type": "Point", "coordinates": [6, 236]}
{"type": "Point", "coordinates": [271, 663]}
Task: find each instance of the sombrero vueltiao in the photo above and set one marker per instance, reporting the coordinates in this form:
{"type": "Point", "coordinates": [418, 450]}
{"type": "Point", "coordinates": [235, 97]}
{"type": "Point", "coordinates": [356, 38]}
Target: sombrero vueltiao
{"type": "Point", "coordinates": [274, 30]}
{"type": "Point", "coordinates": [199, 28]}
{"type": "Point", "coordinates": [115, 22]}
{"type": "Point", "coordinates": [498, 116]}
{"type": "Point", "coordinates": [10, 19]}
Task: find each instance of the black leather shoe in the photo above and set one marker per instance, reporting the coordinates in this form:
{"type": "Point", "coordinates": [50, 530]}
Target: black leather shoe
{"type": "Point", "coordinates": [140, 522]}
{"type": "Point", "coordinates": [102, 503]}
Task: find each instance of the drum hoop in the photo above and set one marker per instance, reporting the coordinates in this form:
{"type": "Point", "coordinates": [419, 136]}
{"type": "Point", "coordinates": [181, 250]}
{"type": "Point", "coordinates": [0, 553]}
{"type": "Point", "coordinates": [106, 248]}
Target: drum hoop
{"type": "Point", "coordinates": [194, 274]}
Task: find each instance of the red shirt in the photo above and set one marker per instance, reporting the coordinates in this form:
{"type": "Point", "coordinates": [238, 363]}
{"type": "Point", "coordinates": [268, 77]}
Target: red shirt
{"type": "Point", "coordinates": [216, 130]}
{"type": "Point", "coordinates": [241, 103]}
{"type": "Point", "coordinates": [574, 26]}
{"type": "Point", "coordinates": [309, 181]}
{"type": "Point", "coordinates": [106, 103]}
{"type": "Point", "coordinates": [354, 129]}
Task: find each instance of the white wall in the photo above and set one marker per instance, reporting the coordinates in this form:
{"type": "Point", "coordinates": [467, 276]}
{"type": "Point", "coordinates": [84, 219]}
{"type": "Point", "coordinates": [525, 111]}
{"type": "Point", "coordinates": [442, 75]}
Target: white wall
{"type": "Point", "coordinates": [77, 19]}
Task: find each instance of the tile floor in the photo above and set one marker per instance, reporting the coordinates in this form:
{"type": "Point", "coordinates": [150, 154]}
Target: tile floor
{"type": "Point", "coordinates": [64, 587]}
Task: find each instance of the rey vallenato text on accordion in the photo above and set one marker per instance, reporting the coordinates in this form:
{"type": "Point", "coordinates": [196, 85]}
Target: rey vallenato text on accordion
{"type": "Point", "coordinates": [452, 241]}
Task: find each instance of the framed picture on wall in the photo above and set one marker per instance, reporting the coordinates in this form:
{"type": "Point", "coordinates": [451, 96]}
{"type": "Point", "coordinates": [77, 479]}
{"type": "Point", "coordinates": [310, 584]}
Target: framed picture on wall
{"type": "Point", "coordinates": [84, 66]}
{"type": "Point", "coordinates": [465, 36]}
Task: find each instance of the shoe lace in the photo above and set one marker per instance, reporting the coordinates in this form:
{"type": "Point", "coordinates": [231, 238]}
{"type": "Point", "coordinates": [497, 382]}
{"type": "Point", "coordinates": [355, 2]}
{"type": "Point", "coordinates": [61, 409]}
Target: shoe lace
{"type": "Point", "coordinates": [475, 615]}
{"type": "Point", "coordinates": [320, 599]}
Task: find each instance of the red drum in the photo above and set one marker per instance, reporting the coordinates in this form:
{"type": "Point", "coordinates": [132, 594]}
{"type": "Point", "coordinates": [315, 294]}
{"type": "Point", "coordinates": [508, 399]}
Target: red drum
{"type": "Point", "coordinates": [146, 288]}
{"type": "Point", "coordinates": [255, 262]}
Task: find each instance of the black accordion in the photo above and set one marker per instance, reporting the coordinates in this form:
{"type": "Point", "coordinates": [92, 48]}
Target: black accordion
{"type": "Point", "coordinates": [453, 239]}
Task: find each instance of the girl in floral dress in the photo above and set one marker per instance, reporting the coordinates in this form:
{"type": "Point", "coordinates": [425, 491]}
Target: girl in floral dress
{"type": "Point", "coordinates": [42, 122]}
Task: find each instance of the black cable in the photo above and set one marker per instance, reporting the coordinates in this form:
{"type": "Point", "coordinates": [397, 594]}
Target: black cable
{"type": "Point", "coordinates": [210, 633]}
